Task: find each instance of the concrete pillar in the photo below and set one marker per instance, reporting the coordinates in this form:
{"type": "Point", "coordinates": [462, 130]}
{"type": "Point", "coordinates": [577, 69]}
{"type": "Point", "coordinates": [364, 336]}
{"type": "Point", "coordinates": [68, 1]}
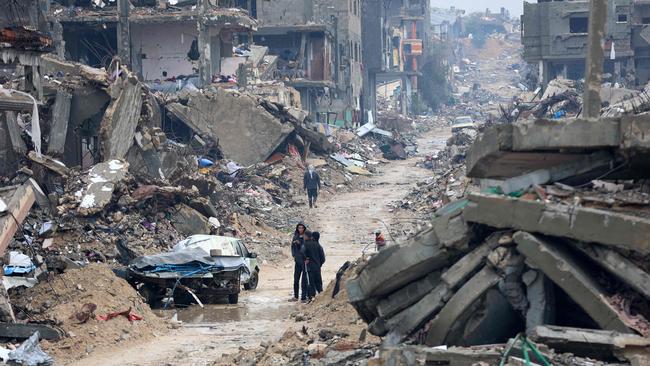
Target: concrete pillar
{"type": "Point", "coordinates": [595, 59]}
{"type": "Point", "coordinates": [540, 72]}
{"type": "Point", "coordinates": [205, 58]}
{"type": "Point", "coordinates": [215, 52]}
{"type": "Point", "coordinates": [123, 32]}
{"type": "Point", "coordinates": [565, 71]}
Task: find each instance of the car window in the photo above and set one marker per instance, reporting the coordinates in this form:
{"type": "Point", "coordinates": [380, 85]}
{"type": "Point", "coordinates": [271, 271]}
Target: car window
{"type": "Point", "coordinates": [242, 249]}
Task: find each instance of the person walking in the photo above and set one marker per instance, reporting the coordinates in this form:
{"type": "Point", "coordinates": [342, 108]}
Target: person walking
{"type": "Point", "coordinates": [299, 279]}
{"type": "Point", "coordinates": [311, 183]}
{"type": "Point", "coordinates": [380, 241]}
{"type": "Point", "coordinates": [314, 258]}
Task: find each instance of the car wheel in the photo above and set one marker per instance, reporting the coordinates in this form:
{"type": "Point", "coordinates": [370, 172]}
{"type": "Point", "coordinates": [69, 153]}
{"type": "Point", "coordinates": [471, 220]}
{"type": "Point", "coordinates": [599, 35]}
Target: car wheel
{"type": "Point", "coordinates": [252, 282]}
{"type": "Point", "coordinates": [233, 299]}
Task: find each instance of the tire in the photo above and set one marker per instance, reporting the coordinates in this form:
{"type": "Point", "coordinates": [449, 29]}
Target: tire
{"type": "Point", "coordinates": [252, 282]}
{"type": "Point", "coordinates": [233, 299]}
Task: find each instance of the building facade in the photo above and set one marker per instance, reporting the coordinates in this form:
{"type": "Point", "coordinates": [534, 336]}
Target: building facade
{"type": "Point", "coordinates": [554, 35]}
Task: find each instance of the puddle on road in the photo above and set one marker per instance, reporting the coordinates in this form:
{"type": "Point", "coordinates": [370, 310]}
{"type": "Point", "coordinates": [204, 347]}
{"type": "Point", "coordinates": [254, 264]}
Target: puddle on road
{"type": "Point", "coordinates": [251, 308]}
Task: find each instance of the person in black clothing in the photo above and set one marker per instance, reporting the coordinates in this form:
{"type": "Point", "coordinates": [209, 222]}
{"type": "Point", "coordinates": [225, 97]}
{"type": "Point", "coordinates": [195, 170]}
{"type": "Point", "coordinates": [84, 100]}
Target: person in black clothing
{"type": "Point", "coordinates": [314, 259]}
{"type": "Point", "coordinates": [299, 262]}
{"type": "Point", "coordinates": [311, 183]}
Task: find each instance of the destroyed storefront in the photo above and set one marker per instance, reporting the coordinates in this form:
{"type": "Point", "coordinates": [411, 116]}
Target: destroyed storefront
{"type": "Point", "coordinates": [166, 47]}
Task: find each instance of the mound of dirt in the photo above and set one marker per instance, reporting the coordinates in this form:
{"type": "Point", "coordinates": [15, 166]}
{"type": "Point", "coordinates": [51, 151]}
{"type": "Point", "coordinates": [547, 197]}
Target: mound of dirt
{"type": "Point", "coordinates": [62, 300]}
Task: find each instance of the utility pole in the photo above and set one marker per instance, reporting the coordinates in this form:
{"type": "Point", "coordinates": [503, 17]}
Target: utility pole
{"type": "Point", "coordinates": [124, 32]}
{"type": "Point", "coordinates": [595, 59]}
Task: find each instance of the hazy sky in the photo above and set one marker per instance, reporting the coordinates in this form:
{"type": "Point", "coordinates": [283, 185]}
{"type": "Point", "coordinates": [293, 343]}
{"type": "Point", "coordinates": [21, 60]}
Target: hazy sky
{"type": "Point", "coordinates": [516, 7]}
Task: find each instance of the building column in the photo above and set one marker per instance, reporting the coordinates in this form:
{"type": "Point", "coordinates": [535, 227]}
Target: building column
{"type": "Point", "coordinates": [124, 32]}
{"type": "Point", "coordinates": [595, 59]}
{"type": "Point", "coordinates": [205, 53]}
{"type": "Point", "coordinates": [565, 71]}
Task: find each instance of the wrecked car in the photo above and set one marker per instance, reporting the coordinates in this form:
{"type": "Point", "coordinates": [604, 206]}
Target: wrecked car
{"type": "Point", "coordinates": [202, 267]}
{"type": "Point", "coordinates": [461, 123]}
{"type": "Point", "coordinates": [227, 246]}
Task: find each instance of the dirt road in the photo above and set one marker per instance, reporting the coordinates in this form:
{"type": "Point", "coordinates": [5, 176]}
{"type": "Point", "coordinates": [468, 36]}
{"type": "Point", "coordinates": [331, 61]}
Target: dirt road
{"type": "Point", "coordinates": [345, 221]}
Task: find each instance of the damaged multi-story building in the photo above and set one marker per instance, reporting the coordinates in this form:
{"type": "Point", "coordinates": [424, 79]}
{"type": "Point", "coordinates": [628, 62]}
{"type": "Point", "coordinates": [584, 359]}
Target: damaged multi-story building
{"type": "Point", "coordinates": [398, 55]}
{"type": "Point", "coordinates": [164, 44]}
{"type": "Point", "coordinates": [554, 35]}
{"type": "Point", "coordinates": [318, 48]}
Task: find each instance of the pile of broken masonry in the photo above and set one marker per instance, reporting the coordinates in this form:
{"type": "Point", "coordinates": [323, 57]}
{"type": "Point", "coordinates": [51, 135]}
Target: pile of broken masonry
{"type": "Point", "coordinates": [551, 254]}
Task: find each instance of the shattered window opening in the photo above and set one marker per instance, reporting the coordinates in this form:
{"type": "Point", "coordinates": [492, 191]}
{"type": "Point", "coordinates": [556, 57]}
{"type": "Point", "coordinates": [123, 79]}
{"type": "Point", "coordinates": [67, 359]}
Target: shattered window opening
{"type": "Point", "coordinates": [579, 24]}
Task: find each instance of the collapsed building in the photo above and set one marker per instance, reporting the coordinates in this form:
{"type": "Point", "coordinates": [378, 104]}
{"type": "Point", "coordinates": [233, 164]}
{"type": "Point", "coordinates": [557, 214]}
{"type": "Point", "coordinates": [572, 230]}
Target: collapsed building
{"type": "Point", "coordinates": [554, 35]}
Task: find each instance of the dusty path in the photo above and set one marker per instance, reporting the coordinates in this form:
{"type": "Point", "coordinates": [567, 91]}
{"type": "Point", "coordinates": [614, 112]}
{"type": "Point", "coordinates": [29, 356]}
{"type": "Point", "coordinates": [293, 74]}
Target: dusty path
{"type": "Point", "coordinates": [345, 221]}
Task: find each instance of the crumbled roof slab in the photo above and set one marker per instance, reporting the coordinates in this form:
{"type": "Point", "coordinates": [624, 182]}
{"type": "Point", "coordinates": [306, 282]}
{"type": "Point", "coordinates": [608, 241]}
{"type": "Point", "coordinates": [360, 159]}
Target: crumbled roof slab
{"type": "Point", "coordinates": [509, 150]}
{"type": "Point", "coordinates": [580, 223]}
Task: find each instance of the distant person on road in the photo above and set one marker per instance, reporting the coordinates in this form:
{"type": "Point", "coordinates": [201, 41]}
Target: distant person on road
{"type": "Point", "coordinates": [297, 242]}
{"type": "Point", "coordinates": [311, 183]}
{"type": "Point", "coordinates": [380, 241]}
{"type": "Point", "coordinates": [314, 259]}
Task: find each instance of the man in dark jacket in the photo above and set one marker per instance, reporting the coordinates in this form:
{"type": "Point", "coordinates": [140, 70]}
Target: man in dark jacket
{"type": "Point", "coordinates": [299, 262]}
{"type": "Point", "coordinates": [314, 259]}
{"type": "Point", "coordinates": [311, 183]}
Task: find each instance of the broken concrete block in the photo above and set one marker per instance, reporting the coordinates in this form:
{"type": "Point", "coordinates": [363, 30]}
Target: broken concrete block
{"type": "Point", "coordinates": [396, 266]}
{"type": "Point", "coordinates": [580, 223]}
{"type": "Point", "coordinates": [408, 320]}
{"type": "Point", "coordinates": [406, 296]}
{"type": "Point", "coordinates": [546, 134]}
{"type": "Point", "coordinates": [245, 131]}
{"type": "Point", "coordinates": [453, 356]}
{"type": "Point", "coordinates": [102, 179]}
{"type": "Point", "coordinates": [599, 344]}
{"type": "Point", "coordinates": [471, 291]}
{"type": "Point", "coordinates": [15, 204]}
{"type": "Point", "coordinates": [619, 266]}
{"type": "Point", "coordinates": [121, 117]}
{"type": "Point", "coordinates": [49, 162]}
{"type": "Point", "coordinates": [60, 121]}
{"type": "Point", "coordinates": [189, 221]}
{"type": "Point", "coordinates": [451, 230]}
{"type": "Point", "coordinates": [560, 267]}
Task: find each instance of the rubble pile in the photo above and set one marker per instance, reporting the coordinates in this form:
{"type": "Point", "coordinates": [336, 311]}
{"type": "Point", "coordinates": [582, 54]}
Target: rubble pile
{"type": "Point", "coordinates": [78, 302]}
{"type": "Point", "coordinates": [115, 171]}
{"type": "Point", "coordinates": [554, 248]}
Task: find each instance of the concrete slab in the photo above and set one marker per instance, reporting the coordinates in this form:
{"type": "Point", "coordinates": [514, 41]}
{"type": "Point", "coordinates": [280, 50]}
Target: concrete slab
{"type": "Point", "coordinates": [619, 266]}
{"type": "Point", "coordinates": [548, 135]}
{"type": "Point", "coordinates": [580, 223]}
{"type": "Point", "coordinates": [60, 120]}
{"type": "Point", "coordinates": [101, 180]}
{"type": "Point", "coordinates": [245, 131]}
{"type": "Point", "coordinates": [471, 291]}
{"type": "Point", "coordinates": [599, 344]}
{"type": "Point", "coordinates": [121, 117]}
{"type": "Point", "coordinates": [189, 221]}
{"type": "Point", "coordinates": [407, 296]}
{"type": "Point", "coordinates": [416, 355]}
{"type": "Point", "coordinates": [561, 268]}
{"type": "Point", "coordinates": [408, 320]}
